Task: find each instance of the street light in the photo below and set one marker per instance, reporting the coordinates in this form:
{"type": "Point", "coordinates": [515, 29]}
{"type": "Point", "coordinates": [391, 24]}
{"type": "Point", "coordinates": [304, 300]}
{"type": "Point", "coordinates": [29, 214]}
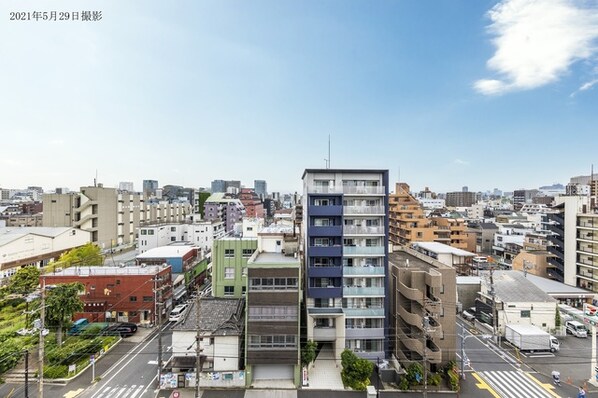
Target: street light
{"type": "Point", "coordinates": [463, 338]}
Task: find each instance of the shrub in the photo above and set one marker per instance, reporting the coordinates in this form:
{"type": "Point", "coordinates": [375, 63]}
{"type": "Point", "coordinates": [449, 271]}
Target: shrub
{"type": "Point", "coordinates": [404, 384]}
{"type": "Point", "coordinates": [434, 379]}
{"type": "Point", "coordinates": [356, 371]}
{"type": "Point", "coordinates": [55, 371]}
{"type": "Point", "coordinates": [415, 373]}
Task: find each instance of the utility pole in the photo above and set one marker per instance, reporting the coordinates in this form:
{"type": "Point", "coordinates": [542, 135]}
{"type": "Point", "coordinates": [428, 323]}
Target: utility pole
{"type": "Point", "coordinates": [40, 386]}
{"type": "Point", "coordinates": [26, 373]}
{"type": "Point", "coordinates": [197, 346]}
{"type": "Point", "coordinates": [494, 311]}
{"type": "Point", "coordinates": [157, 323]}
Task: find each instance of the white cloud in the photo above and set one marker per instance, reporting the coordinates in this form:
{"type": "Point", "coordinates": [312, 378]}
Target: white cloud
{"type": "Point", "coordinates": [537, 41]}
{"type": "Point", "coordinates": [588, 85]}
{"type": "Point", "coordinates": [461, 162]}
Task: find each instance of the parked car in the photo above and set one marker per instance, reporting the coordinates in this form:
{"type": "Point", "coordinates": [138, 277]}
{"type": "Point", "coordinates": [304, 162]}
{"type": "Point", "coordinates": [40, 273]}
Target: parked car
{"type": "Point", "coordinates": [468, 315]}
{"type": "Point", "coordinates": [576, 328]}
{"type": "Point", "coordinates": [178, 313]}
{"type": "Point", "coordinates": [120, 329]}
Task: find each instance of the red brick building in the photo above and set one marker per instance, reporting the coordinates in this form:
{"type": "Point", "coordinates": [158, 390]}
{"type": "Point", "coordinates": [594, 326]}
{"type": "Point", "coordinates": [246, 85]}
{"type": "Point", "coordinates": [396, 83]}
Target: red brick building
{"type": "Point", "coordinates": [253, 204]}
{"type": "Point", "coordinates": [124, 294]}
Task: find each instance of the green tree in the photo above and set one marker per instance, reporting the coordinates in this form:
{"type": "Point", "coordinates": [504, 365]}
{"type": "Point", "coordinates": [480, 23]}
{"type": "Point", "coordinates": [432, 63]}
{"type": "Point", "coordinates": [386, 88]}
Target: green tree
{"type": "Point", "coordinates": [25, 280]}
{"type": "Point", "coordinates": [356, 371]}
{"type": "Point", "coordinates": [203, 196]}
{"type": "Point", "coordinates": [62, 302]}
{"type": "Point", "coordinates": [88, 254]}
{"type": "Point", "coordinates": [308, 352]}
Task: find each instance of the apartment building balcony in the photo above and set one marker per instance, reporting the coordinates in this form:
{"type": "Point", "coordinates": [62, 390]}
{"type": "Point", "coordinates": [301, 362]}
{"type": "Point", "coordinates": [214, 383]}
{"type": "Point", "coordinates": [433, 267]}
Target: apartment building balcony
{"type": "Point", "coordinates": [363, 291]}
{"type": "Point", "coordinates": [410, 318]}
{"type": "Point", "coordinates": [364, 312]}
{"type": "Point", "coordinates": [410, 293]}
{"type": "Point", "coordinates": [363, 250]}
{"type": "Point", "coordinates": [588, 249]}
{"type": "Point", "coordinates": [557, 217]}
{"type": "Point", "coordinates": [324, 272]}
{"type": "Point", "coordinates": [587, 236]}
{"type": "Point", "coordinates": [83, 206]}
{"type": "Point", "coordinates": [363, 271]}
{"type": "Point", "coordinates": [364, 211]}
{"type": "Point", "coordinates": [324, 333]}
{"type": "Point", "coordinates": [334, 230]}
{"type": "Point", "coordinates": [556, 250]}
{"type": "Point", "coordinates": [433, 307]}
{"type": "Point", "coordinates": [362, 230]}
{"type": "Point", "coordinates": [588, 225]}
{"type": "Point", "coordinates": [330, 211]}
{"type": "Point", "coordinates": [321, 311]}
{"type": "Point", "coordinates": [364, 333]}
{"type": "Point", "coordinates": [325, 251]}
{"type": "Point", "coordinates": [363, 190]}
{"type": "Point", "coordinates": [433, 279]}
{"type": "Point", "coordinates": [433, 352]}
{"type": "Point", "coordinates": [325, 292]}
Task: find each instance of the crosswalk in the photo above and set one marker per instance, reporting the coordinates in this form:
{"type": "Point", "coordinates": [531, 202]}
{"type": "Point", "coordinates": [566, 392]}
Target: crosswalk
{"type": "Point", "coordinates": [119, 392]}
{"type": "Point", "coordinates": [515, 384]}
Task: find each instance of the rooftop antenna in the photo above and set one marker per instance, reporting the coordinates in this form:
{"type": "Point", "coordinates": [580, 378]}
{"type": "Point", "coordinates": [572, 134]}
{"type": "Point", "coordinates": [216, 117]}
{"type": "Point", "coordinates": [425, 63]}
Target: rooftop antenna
{"type": "Point", "coordinates": [95, 180]}
{"type": "Point", "coordinates": [328, 159]}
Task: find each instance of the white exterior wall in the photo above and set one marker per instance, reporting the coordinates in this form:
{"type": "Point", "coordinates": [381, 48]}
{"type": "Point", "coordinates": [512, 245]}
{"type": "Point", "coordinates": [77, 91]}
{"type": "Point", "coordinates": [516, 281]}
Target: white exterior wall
{"type": "Point", "coordinates": [226, 353]}
{"type": "Point", "coordinates": [573, 205]}
{"type": "Point", "coordinates": [268, 243]}
{"type": "Point", "coordinates": [33, 245]}
{"type": "Point", "coordinates": [542, 315]}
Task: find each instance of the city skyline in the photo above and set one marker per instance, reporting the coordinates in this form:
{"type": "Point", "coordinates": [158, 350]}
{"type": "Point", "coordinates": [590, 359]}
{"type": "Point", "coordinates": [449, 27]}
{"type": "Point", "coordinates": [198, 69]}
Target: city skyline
{"type": "Point", "coordinates": [451, 93]}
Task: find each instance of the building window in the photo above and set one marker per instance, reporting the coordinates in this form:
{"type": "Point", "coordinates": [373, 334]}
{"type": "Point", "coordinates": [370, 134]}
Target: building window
{"type": "Point", "coordinates": [133, 298]}
{"type": "Point", "coordinates": [150, 231]}
{"type": "Point", "coordinates": [229, 290]}
{"type": "Point", "coordinates": [172, 239]}
{"type": "Point", "coordinates": [148, 299]}
{"type": "Point", "coordinates": [243, 290]}
{"type": "Point", "coordinates": [525, 313]}
{"type": "Point", "coordinates": [229, 273]}
{"type": "Point", "coordinates": [247, 253]}
{"type": "Point", "coordinates": [288, 341]}
{"type": "Point", "coordinates": [229, 253]}
{"type": "Point", "coordinates": [172, 229]}
{"type": "Point", "coordinates": [143, 232]}
{"type": "Point", "coordinates": [322, 222]}
{"type": "Point", "coordinates": [321, 202]}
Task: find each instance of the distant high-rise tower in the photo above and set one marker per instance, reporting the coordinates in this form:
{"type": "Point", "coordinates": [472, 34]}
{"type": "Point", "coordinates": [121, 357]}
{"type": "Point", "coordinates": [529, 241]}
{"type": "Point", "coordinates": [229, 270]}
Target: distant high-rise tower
{"type": "Point", "coordinates": [465, 189]}
{"type": "Point", "coordinates": [261, 188]}
{"type": "Point", "coordinates": [218, 186]}
{"type": "Point", "coordinates": [126, 186]}
{"type": "Point", "coordinates": [150, 186]}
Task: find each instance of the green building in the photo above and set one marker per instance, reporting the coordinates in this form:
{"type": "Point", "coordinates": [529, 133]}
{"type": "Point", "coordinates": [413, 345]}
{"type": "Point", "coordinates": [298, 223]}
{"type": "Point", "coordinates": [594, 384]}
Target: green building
{"type": "Point", "coordinates": [229, 266]}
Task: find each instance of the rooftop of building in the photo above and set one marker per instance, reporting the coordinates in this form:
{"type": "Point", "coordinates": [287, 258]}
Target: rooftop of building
{"type": "Point", "coordinates": [513, 286]}
{"type": "Point", "coordinates": [103, 271]}
{"type": "Point", "coordinates": [264, 258]}
{"type": "Point", "coordinates": [169, 251]}
{"type": "Point", "coordinates": [8, 234]}
{"type": "Point", "coordinates": [221, 197]}
{"type": "Point", "coordinates": [217, 317]}
{"type": "Point", "coordinates": [468, 280]}
{"type": "Point", "coordinates": [276, 229]}
{"type": "Point", "coordinates": [556, 288]}
{"type": "Point", "coordinates": [403, 257]}
{"type": "Point", "coordinates": [441, 248]}
{"type": "Point", "coordinates": [355, 171]}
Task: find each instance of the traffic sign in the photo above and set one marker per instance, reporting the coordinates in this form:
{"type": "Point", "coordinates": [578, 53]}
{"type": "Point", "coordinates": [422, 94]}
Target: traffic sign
{"type": "Point", "coordinates": [176, 394]}
{"type": "Point", "coordinates": [92, 359]}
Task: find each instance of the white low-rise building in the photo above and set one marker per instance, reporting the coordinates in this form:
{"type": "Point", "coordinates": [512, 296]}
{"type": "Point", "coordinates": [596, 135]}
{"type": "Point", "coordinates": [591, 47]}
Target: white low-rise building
{"type": "Point", "coordinates": [201, 235]}
{"type": "Point", "coordinates": [36, 246]}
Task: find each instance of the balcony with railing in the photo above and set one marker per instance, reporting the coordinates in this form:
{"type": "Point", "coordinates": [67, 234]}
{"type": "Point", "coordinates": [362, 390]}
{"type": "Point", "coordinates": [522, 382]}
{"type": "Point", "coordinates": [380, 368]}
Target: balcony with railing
{"type": "Point", "coordinates": [363, 190]}
{"type": "Point", "coordinates": [362, 291]}
{"type": "Point", "coordinates": [325, 251]}
{"type": "Point", "coordinates": [362, 230]}
{"type": "Point", "coordinates": [364, 210]}
{"type": "Point", "coordinates": [410, 318]}
{"type": "Point", "coordinates": [364, 312]}
{"type": "Point", "coordinates": [325, 292]}
{"type": "Point", "coordinates": [329, 230]}
{"type": "Point", "coordinates": [410, 293]}
{"type": "Point", "coordinates": [363, 271]}
{"type": "Point", "coordinates": [324, 333]}
{"type": "Point", "coordinates": [324, 272]}
{"type": "Point", "coordinates": [364, 333]}
{"type": "Point", "coordinates": [363, 250]}
{"type": "Point", "coordinates": [433, 278]}
{"type": "Point", "coordinates": [325, 211]}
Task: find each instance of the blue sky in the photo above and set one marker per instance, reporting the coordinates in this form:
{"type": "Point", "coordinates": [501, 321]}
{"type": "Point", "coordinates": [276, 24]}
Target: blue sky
{"type": "Point", "coordinates": [453, 92]}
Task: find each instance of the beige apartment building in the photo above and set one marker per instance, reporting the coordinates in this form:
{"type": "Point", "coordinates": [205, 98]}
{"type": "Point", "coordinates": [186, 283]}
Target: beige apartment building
{"type": "Point", "coordinates": [408, 223]}
{"type": "Point", "coordinates": [110, 215]}
{"type": "Point", "coordinates": [423, 308]}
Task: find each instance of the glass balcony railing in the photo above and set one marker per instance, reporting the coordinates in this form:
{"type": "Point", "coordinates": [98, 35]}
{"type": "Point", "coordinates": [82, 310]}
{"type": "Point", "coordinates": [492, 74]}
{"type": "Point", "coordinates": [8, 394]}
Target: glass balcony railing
{"type": "Point", "coordinates": [365, 271]}
{"type": "Point", "coordinates": [363, 250]}
{"type": "Point", "coordinates": [348, 210]}
{"type": "Point", "coordinates": [363, 291]}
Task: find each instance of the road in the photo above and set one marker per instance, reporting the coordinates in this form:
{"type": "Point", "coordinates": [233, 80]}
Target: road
{"type": "Point", "coordinates": [497, 370]}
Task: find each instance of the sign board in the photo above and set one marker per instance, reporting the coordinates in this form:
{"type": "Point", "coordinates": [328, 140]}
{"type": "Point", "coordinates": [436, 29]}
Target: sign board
{"type": "Point", "coordinates": [176, 394]}
{"type": "Point", "coordinates": [72, 368]}
{"type": "Point", "coordinates": [92, 360]}
{"type": "Point", "coordinates": [304, 377]}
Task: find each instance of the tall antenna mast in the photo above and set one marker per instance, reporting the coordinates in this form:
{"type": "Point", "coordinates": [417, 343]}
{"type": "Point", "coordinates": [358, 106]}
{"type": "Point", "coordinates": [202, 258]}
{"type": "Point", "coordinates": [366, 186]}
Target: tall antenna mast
{"type": "Point", "coordinates": [328, 150]}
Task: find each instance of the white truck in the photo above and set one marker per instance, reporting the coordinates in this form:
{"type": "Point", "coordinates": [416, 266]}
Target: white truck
{"type": "Point", "coordinates": [530, 338]}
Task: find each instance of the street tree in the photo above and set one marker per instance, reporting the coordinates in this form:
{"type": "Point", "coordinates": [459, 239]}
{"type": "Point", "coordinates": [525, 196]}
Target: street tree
{"type": "Point", "coordinates": [62, 302]}
{"type": "Point", "coordinates": [308, 352]}
{"type": "Point", "coordinates": [88, 254]}
{"type": "Point", "coordinates": [356, 371]}
{"type": "Point", "coordinates": [24, 281]}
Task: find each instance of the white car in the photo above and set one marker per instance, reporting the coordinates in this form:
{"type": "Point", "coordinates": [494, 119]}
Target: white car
{"type": "Point", "coordinates": [468, 315]}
